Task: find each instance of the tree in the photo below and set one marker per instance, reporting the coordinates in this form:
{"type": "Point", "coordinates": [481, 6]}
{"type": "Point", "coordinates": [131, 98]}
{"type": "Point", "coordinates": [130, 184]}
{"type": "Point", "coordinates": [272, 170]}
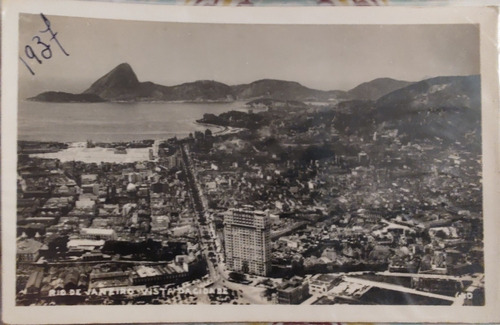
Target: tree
{"type": "Point", "coordinates": [298, 265]}
{"type": "Point", "coordinates": [236, 276]}
{"type": "Point", "coordinates": [244, 267]}
{"type": "Point", "coordinates": [58, 245]}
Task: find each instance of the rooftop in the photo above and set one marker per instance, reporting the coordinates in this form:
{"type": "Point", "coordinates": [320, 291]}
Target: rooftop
{"type": "Point", "coordinates": [97, 231]}
{"type": "Point", "coordinates": [28, 246]}
{"type": "Point", "coordinates": [147, 271]}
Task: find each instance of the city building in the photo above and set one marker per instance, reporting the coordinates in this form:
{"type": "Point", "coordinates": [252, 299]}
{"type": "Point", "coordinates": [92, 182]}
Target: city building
{"type": "Point", "coordinates": [98, 234]}
{"type": "Point", "coordinates": [28, 250]}
{"type": "Point", "coordinates": [88, 178]}
{"type": "Point", "coordinates": [34, 282]}
{"type": "Point", "coordinates": [151, 275]}
{"type": "Point", "coordinates": [293, 291]}
{"type": "Point", "coordinates": [247, 241]}
{"type": "Point", "coordinates": [90, 188]}
{"type": "Point", "coordinates": [322, 283]}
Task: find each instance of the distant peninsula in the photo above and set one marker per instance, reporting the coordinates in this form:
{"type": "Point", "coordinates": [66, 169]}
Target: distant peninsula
{"type": "Point", "coordinates": [62, 97]}
{"type": "Point", "coordinates": [122, 85]}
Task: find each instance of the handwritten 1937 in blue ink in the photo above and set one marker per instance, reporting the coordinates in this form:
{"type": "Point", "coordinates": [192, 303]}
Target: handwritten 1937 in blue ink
{"type": "Point", "coordinates": [42, 50]}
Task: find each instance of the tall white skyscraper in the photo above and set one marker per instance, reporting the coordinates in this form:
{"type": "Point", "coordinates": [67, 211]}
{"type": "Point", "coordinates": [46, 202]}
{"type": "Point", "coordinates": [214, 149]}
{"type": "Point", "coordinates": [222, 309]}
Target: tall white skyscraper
{"type": "Point", "coordinates": [247, 241]}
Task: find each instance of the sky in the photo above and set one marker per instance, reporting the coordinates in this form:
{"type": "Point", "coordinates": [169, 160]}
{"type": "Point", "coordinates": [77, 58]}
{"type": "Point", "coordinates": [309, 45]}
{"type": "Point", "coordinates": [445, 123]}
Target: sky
{"type": "Point", "coordinates": [327, 57]}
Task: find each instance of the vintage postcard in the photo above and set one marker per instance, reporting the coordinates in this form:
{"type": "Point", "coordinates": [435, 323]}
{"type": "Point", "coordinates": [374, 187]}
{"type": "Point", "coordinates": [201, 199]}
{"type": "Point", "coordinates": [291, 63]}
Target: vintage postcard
{"type": "Point", "coordinates": [173, 164]}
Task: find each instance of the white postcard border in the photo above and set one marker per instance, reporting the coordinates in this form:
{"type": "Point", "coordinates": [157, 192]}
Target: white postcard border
{"type": "Point", "coordinates": [485, 18]}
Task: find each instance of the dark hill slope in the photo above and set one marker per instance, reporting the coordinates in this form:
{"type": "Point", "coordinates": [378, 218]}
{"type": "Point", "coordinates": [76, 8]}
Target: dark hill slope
{"type": "Point", "coordinates": [201, 90]}
{"type": "Point", "coordinates": [376, 88]}
{"type": "Point", "coordinates": [62, 97]}
{"type": "Point", "coordinates": [448, 108]}
{"type": "Point", "coordinates": [443, 108]}
{"type": "Point", "coordinates": [121, 84]}
{"type": "Point", "coordinates": [284, 90]}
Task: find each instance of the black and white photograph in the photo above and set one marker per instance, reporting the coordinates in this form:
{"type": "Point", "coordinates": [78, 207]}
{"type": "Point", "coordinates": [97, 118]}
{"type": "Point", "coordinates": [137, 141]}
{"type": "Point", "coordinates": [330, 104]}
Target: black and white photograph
{"type": "Point", "coordinates": [195, 163]}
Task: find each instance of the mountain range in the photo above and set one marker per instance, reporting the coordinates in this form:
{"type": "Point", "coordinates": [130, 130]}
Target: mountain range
{"type": "Point", "coordinates": [445, 108]}
{"type": "Point", "coordinates": [122, 84]}
{"type": "Point", "coordinates": [448, 108]}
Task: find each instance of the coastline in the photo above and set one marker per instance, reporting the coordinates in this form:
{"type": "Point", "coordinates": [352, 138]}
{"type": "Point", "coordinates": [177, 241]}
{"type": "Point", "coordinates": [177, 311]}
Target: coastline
{"type": "Point", "coordinates": [78, 150]}
{"type": "Point", "coordinates": [219, 128]}
{"type": "Point", "coordinates": [146, 101]}
{"type": "Point", "coordinates": [110, 122]}
{"type": "Point", "coordinates": [223, 130]}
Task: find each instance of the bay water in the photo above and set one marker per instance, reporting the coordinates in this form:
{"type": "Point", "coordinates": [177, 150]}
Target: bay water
{"type": "Point", "coordinates": [109, 122]}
